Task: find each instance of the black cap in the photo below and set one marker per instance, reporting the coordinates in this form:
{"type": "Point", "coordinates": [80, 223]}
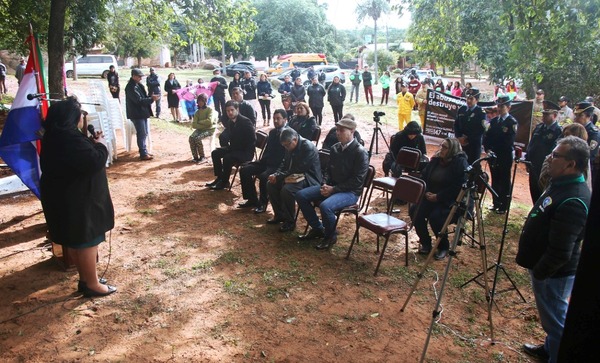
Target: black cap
{"type": "Point", "coordinates": [539, 92]}
{"type": "Point", "coordinates": [137, 72]}
{"type": "Point", "coordinates": [503, 100]}
{"type": "Point", "coordinates": [581, 107]}
{"type": "Point", "coordinates": [563, 98]}
{"type": "Point", "coordinates": [550, 107]}
{"type": "Point", "coordinates": [472, 92]}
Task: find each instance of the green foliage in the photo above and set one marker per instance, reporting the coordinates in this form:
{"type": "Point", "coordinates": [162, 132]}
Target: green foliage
{"type": "Point", "coordinates": [385, 59]}
{"type": "Point", "coordinates": [291, 26]}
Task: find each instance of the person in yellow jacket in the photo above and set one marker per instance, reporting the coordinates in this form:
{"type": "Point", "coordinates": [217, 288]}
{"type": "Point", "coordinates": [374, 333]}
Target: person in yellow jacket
{"type": "Point", "coordinates": [406, 102]}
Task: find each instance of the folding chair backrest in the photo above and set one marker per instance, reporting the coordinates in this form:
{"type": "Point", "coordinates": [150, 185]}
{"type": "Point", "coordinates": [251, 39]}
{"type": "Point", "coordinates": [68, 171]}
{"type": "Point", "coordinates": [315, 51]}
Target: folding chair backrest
{"type": "Point", "coordinates": [409, 158]}
{"type": "Point", "coordinates": [261, 142]}
{"type": "Point", "coordinates": [408, 189]}
{"type": "Point", "coordinates": [324, 157]}
{"type": "Point", "coordinates": [366, 186]}
{"type": "Point", "coordinates": [316, 136]}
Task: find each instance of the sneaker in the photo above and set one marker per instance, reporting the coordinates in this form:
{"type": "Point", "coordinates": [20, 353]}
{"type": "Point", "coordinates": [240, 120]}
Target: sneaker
{"type": "Point", "coordinates": [146, 157]}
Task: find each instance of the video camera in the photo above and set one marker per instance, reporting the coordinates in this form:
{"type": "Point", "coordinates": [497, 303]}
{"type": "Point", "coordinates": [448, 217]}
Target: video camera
{"type": "Point", "coordinates": [376, 115]}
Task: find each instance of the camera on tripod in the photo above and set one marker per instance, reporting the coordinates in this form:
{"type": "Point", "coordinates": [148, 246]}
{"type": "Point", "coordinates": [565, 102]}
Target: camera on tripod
{"type": "Point", "coordinates": [376, 115]}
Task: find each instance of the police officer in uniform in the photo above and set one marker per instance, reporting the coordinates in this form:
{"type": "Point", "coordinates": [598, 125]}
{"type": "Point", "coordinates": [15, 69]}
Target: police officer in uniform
{"type": "Point", "coordinates": [500, 138]}
{"type": "Point", "coordinates": [541, 145]}
{"type": "Point", "coordinates": [469, 126]}
{"type": "Point", "coordinates": [584, 114]}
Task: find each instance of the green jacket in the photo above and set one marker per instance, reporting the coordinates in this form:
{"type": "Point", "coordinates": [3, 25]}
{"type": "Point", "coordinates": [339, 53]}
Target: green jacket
{"type": "Point", "coordinates": [385, 81]}
{"type": "Point", "coordinates": [203, 119]}
{"type": "Point", "coordinates": [355, 78]}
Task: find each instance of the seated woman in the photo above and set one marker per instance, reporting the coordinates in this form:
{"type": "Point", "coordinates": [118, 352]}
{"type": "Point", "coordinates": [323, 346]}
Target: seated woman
{"type": "Point", "coordinates": [203, 127]}
{"type": "Point", "coordinates": [444, 176]}
{"type": "Point", "coordinates": [304, 124]}
{"type": "Point", "coordinates": [74, 191]}
{"type": "Point", "coordinates": [411, 136]}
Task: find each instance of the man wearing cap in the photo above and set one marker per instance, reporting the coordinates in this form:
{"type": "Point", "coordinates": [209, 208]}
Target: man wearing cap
{"type": "Point", "coordinates": [153, 84]}
{"type": "Point", "coordinates": [137, 106]}
{"type": "Point", "coordinates": [469, 125]}
{"type": "Point", "coordinates": [596, 117]}
{"type": "Point", "coordinates": [219, 95]}
{"type": "Point", "coordinates": [299, 169]}
{"type": "Point", "coordinates": [348, 165]}
{"type": "Point", "coordinates": [406, 102]}
{"type": "Point", "coordinates": [543, 141]}
{"type": "Point", "coordinates": [500, 139]}
{"type": "Point", "coordinates": [584, 114]}
{"type": "Point", "coordinates": [565, 114]}
{"type": "Point", "coordinates": [550, 242]}
{"type": "Point", "coordinates": [538, 107]}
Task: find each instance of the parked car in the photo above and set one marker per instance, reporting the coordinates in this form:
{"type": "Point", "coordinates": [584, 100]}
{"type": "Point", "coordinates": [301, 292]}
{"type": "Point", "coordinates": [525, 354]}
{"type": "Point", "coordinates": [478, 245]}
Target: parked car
{"type": "Point", "coordinates": [91, 65]}
{"type": "Point", "coordinates": [278, 79]}
{"type": "Point", "coordinates": [240, 67]}
{"type": "Point", "coordinates": [422, 74]}
{"type": "Point", "coordinates": [330, 72]}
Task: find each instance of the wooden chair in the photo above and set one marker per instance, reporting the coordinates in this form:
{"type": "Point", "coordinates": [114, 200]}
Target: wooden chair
{"type": "Point", "coordinates": [357, 208]}
{"type": "Point", "coordinates": [409, 158]}
{"type": "Point", "coordinates": [260, 143]}
{"type": "Point", "coordinates": [407, 188]}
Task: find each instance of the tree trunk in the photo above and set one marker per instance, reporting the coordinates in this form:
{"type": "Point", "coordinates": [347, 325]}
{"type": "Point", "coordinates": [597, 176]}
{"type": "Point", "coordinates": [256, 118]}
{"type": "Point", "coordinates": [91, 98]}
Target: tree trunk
{"type": "Point", "coordinates": [139, 60]}
{"type": "Point", "coordinates": [375, 58]}
{"type": "Point", "coordinates": [223, 57]}
{"type": "Point", "coordinates": [462, 73]}
{"type": "Point", "coordinates": [56, 48]}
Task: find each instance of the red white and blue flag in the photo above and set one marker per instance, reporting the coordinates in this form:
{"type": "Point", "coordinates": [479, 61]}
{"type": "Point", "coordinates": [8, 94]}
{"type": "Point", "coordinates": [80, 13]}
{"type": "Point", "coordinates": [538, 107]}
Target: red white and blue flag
{"type": "Point", "coordinates": [20, 139]}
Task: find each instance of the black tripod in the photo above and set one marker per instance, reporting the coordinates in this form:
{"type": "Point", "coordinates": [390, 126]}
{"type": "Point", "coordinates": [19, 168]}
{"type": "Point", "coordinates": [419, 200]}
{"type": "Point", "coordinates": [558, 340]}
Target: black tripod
{"type": "Point", "coordinates": [467, 197]}
{"type": "Point", "coordinates": [376, 132]}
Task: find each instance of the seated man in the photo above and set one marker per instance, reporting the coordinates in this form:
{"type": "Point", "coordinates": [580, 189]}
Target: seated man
{"type": "Point", "coordinates": [240, 149]}
{"type": "Point", "coordinates": [411, 136]}
{"type": "Point", "coordinates": [299, 169]}
{"type": "Point", "coordinates": [245, 109]}
{"type": "Point", "coordinates": [348, 165]}
{"type": "Point", "coordinates": [271, 159]}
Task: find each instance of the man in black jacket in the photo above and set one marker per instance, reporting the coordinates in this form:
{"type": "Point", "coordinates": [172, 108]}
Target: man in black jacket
{"type": "Point", "coordinates": [219, 95]}
{"type": "Point", "coordinates": [153, 84]}
{"type": "Point", "coordinates": [549, 246]}
{"type": "Point", "coordinates": [299, 169]}
{"type": "Point", "coordinates": [271, 159]}
{"type": "Point", "coordinates": [543, 140]}
{"type": "Point", "coordinates": [469, 125]}
{"type": "Point", "coordinates": [240, 149]}
{"type": "Point", "coordinates": [347, 169]}
{"type": "Point", "coordinates": [137, 105]}
{"type": "Point", "coordinates": [245, 109]}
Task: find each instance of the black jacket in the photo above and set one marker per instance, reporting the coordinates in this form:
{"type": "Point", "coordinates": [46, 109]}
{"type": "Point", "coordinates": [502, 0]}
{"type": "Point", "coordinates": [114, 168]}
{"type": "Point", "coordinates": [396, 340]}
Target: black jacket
{"type": "Point", "coordinates": [298, 93]}
{"type": "Point", "coordinates": [264, 88]}
{"type": "Point", "coordinates": [470, 123]}
{"type": "Point", "coordinates": [367, 78]}
{"type": "Point", "coordinates": [541, 145]}
{"type": "Point", "coordinates": [234, 84]}
{"type": "Point", "coordinates": [401, 140]}
{"type": "Point", "coordinates": [242, 139]}
{"type": "Point", "coordinates": [453, 178]}
{"type": "Point", "coordinates": [336, 94]}
{"type": "Point", "coordinates": [331, 139]}
{"type": "Point", "coordinates": [347, 168]}
{"type": "Point", "coordinates": [500, 137]}
{"type": "Point", "coordinates": [316, 93]}
{"type": "Point", "coordinates": [274, 151]}
{"type": "Point", "coordinates": [137, 102]}
{"type": "Point", "coordinates": [221, 87]}
{"type": "Point", "coordinates": [74, 188]}
{"type": "Point", "coordinates": [304, 159]}
{"type": "Point", "coordinates": [304, 126]}
{"type": "Point", "coordinates": [153, 83]}
{"type": "Point", "coordinates": [552, 234]}
{"type": "Point", "coordinates": [249, 87]}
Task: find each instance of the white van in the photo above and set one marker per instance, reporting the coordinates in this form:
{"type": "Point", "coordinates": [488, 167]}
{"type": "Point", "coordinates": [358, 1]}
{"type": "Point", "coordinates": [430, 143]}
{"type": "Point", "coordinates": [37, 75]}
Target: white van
{"type": "Point", "coordinates": [92, 65]}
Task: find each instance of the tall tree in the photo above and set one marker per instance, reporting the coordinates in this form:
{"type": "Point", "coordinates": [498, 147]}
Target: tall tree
{"type": "Point", "coordinates": [373, 9]}
{"type": "Point", "coordinates": [291, 26]}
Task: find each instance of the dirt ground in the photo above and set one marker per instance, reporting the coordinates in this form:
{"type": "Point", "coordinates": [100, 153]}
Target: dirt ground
{"type": "Point", "coordinates": [202, 281]}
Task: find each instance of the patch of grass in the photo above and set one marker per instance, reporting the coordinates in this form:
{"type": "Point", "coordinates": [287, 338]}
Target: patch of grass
{"type": "Point", "coordinates": [204, 265]}
{"type": "Point", "coordinates": [367, 293]}
{"type": "Point", "coordinates": [498, 356]}
{"type": "Point", "coordinates": [274, 292]}
{"type": "Point", "coordinates": [225, 233]}
{"type": "Point", "coordinates": [399, 273]}
{"type": "Point", "coordinates": [217, 331]}
{"type": "Point", "coordinates": [236, 287]}
{"type": "Point", "coordinates": [230, 257]}
{"type": "Point", "coordinates": [147, 211]}
{"type": "Point", "coordinates": [459, 277]}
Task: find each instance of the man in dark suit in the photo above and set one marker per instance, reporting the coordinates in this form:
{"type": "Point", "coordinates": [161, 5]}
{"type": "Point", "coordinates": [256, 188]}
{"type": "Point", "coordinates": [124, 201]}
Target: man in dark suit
{"type": "Point", "coordinates": [245, 109]}
{"type": "Point", "coordinates": [240, 148]}
{"type": "Point", "coordinates": [270, 161]}
{"type": "Point", "coordinates": [299, 169]}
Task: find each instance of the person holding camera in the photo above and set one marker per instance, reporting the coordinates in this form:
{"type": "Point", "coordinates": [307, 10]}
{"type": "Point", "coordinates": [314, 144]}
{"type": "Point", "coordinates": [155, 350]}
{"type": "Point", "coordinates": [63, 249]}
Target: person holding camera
{"type": "Point", "coordinates": [74, 191]}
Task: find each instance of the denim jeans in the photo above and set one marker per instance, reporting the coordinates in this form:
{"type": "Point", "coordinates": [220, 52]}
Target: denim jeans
{"type": "Point", "coordinates": [552, 300]}
{"type": "Point", "coordinates": [355, 88]}
{"type": "Point", "coordinates": [141, 130]}
{"type": "Point", "coordinates": [328, 207]}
